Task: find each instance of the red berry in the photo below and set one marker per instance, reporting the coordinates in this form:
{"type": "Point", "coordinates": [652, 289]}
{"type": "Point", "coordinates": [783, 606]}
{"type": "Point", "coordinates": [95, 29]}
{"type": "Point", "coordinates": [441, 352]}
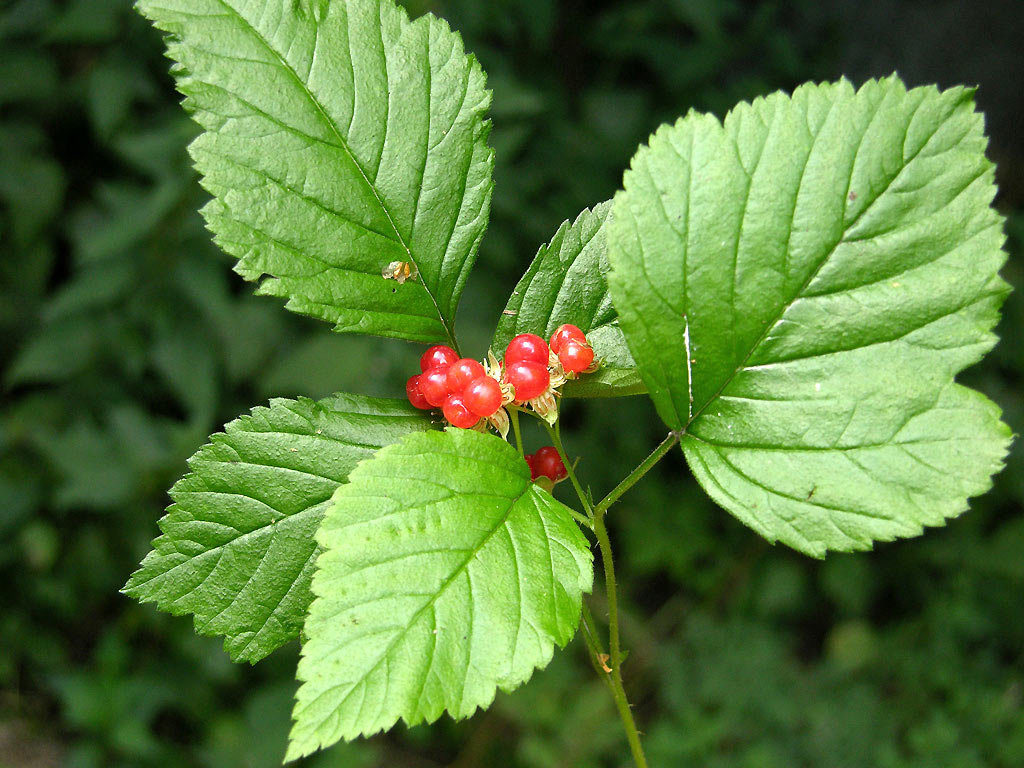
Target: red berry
{"type": "Point", "coordinates": [527, 346]}
{"type": "Point", "coordinates": [564, 334]}
{"type": "Point", "coordinates": [438, 356]}
{"type": "Point", "coordinates": [548, 463]}
{"type": "Point", "coordinates": [576, 357]}
{"type": "Point", "coordinates": [462, 373]}
{"type": "Point", "coordinates": [482, 396]}
{"type": "Point", "coordinates": [532, 465]}
{"type": "Point", "coordinates": [458, 414]}
{"type": "Point", "coordinates": [412, 391]}
{"type": "Point", "coordinates": [434, 385]}
{"type": "Point", "coordinates": [528, 379]}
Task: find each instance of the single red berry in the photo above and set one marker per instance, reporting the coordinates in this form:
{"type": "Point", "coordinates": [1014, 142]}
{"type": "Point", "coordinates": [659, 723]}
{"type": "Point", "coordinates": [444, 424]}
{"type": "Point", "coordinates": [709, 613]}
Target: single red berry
{"type": "Point", "coordinates": [532, 465]}
{"type": "Point", "coordinates": [576, 357]}
{"type": "Point", "coordinates": [564, 334]}
{"type": "Point", "coordinates": [548, 463]}
{"type": "Point", "coordinates": [412, 391]}
{"type": "Point", "coordinates": [528, 379]}
{"type": "Point", "coordinates": [527, 346]}
{"type": "Point", "coordinates": [434, 385]}
{"type": "Point", "coordinates": [458, 414]}
{"type": "Point", "coordinates": [461, 373]}
{"type": "Point", "coordinates": [482, 396]}
{"type": "Point", "coordinates": [438, 356]}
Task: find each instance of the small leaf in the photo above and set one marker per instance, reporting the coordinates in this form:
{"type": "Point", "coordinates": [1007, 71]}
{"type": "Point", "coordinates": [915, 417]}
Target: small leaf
{"type": "Point", "coordinates": [566, 284]}
{"type": "Point", "coordinates": [446, 574]}
{"type": "Point", "coordinates": [339, 138]}
{"type": "Point", "coordinates": [799, 287]}
{"type": "Point", "coordinates": [238, 543]}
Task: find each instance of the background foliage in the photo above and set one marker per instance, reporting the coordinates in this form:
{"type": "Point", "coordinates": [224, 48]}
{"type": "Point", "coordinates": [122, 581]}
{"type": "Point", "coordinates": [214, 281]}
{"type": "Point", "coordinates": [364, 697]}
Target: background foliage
{"type": "Point", "coordinates": [126, 340]}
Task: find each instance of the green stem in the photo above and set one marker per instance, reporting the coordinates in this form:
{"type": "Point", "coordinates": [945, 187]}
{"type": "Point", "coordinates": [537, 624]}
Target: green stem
{"type": "Point", "coordinates": [556, 439]}
{"type": "Point", "coordinates": [642, 469]}
{"type": "Point", "coordinates": [614, 649]}
{"type": "Point", "coordinates": [605, 545]}
{"type": "Point", "coordinates": [590, 628]}
{"type": "Point", "coordinates": [595, 651]}
{"type": "Point", "coordinates": [513, 416]}
{"type": "Point", "coordinates": [581, 519]}
{"type": "Point", "coordinates": [618, 690]}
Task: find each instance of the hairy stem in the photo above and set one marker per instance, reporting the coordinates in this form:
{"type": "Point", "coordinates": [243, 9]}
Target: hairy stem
{"type": "Point", "coordinates": [614, 649]}
{"type": "Point", "coordinates": [598, 658]}
{"type": "Point", "coordinates": [513, 416]}
{"type": "Point", "coordinates": [642, 469]}
{"type": "Point", "coordinates": [556, 439]}
{"type": "Point", "coordinates": [596, 515]}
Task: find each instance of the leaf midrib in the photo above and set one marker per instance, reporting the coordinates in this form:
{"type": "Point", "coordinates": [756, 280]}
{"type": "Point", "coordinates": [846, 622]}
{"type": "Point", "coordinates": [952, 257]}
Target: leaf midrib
{"type": "Point", "coordinates": [344, 146]}
{"type": "Point", "coordinates": [461, 568]}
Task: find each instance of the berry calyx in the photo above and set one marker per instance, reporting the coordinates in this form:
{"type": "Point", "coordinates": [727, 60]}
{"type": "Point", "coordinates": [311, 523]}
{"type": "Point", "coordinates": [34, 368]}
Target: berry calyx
{"type": "Point", "coordinates": [434, 385]}
{"type": "Point", "coordinates": [564, 334]}
{"type": "Point", "coordinates": [527, 347]}
{"type": "Point", "coordinates": [457, 413]}
{"type": "Point", "coordinates": [412, 391]}
{"type": "Point", "coordinates": [575, 357]}
{"type": "Point", "coordinates": [529, 379]}
{"type": "Point", "coordinates": [482, 396]}
{"type": "Point", "coordinates": [438, 356]}
{"type": "Point", "coordinates": [462, 373]}
{"type": "Point", "coordinates": [547, 463]}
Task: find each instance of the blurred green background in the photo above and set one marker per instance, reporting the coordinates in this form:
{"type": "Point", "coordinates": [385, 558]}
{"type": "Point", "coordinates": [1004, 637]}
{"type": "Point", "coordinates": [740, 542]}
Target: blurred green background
{"type": "Point", "coordinates": [126, 339]}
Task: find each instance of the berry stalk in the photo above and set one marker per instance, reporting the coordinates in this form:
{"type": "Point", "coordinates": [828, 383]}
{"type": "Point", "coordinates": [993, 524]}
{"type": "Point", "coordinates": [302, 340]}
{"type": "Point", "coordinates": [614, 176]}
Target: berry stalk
{"type": "Point", "coordinates": [642, 469]}
{"type": "Point", "coordinates": [612, 672]}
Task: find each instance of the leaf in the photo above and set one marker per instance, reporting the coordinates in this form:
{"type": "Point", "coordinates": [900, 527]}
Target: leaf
{"type": "Point", "coordinates": [339, 138]}
{"type": "Point", "coordinates": [238, 544]}
{"type": "Point", "coordinates": [800, 286]}
{"type": "Point", "coordinates": [445, 574]}
{"type": "Point", "coordinates": [566, 284]}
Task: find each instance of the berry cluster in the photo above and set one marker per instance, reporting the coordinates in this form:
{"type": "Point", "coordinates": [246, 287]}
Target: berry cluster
{"type": "Point", "coordinates": [533, 367]}
{"type": "Point", "coordinates": [467, 392]}
{"type": "Point", "coordinates": [460, 387]}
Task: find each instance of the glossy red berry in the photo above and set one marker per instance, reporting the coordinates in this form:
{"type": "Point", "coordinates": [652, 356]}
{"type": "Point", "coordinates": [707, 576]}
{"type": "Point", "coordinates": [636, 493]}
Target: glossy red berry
{"type": "Point", "coordinates": [438, 356]}
{"type": "Point", "coordinates": [482, 396]}
{"type": "Point", "coordinates": [434, 385]}
{"type": "Point", "coordinates": [564, 334]}
{"type": "Point", "coordinates": [576, 357]}
{"type": "Point", "coordinates": [527, 346]}
{"type": "Point", "coordinates": [528, 379]}
{"type": "Point", "coordinates": [412, 391]}
{"type": "Point", "coordinates": [458, 414]}
{"type": "Point", "coordinates": [547, 463]}
{"type": "Point", "coordinates": [532, 465]}
{"type": "Point", "coordinates": [461, 373]}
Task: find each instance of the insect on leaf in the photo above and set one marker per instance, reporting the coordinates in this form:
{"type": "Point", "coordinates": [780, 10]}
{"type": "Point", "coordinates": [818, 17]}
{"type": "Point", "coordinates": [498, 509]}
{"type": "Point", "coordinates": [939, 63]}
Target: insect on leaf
{"type": "Point", "coordinates": [339, 138]}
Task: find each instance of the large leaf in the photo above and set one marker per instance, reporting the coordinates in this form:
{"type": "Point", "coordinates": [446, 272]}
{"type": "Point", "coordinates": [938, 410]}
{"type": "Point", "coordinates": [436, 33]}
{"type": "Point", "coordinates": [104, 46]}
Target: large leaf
{"type": "Point", "coordinates": [566, 284]}
{"type": "Point", "coordinates": [340, 138]}
{"type": "Point", "coordinates": [238, 544]}
{"type": "Point", "coordinates": [445, 574]}
{"type": "Point", "coordinates": [799, 287]}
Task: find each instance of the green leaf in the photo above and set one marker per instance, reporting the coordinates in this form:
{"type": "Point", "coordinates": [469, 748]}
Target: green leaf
{"type": "Point", "coordinates": [445, 574]}
{"type": "Point", "coordinates": [799, 286]}
{"type": "Point", "coordinates": [339, 138]}
{"type": "Point", "coordinates": [238, 543]}
{"type": "Point", "coordinates": [566, 284]}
